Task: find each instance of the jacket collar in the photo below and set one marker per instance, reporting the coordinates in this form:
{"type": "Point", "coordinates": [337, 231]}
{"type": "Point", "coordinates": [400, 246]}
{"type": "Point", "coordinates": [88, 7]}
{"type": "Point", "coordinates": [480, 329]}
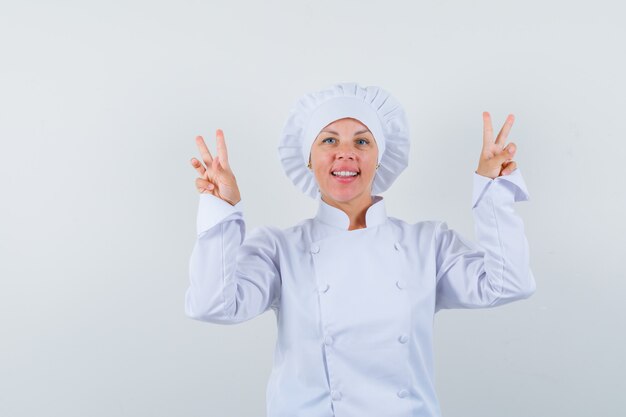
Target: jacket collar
{"type": "Point", "coordinates": [332, 216]}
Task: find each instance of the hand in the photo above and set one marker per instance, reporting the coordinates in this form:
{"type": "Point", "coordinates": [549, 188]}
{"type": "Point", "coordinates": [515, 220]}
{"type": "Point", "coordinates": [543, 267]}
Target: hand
{"type": "Point", "coordinates": [495, 158]}
{"type": "Point", "coordinates": [216, 177]}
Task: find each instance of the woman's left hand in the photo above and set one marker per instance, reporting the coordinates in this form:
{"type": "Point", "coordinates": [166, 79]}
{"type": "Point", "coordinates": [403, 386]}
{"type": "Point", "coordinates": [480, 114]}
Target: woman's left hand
{"type": "Point", "coordinates": [496, 159]}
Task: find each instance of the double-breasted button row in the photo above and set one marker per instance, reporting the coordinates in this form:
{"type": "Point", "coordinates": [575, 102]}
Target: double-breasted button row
{"type": "Point", "coordinates": [401, 284]}
{"type": "Point", "coordinates": [316, 249]}
{"type": "Point", "coordinates": [324, 287]}
{"type": "Point", "coordinates": [336, 395]}
{"type": "Point", "coordinates": [328, 339]}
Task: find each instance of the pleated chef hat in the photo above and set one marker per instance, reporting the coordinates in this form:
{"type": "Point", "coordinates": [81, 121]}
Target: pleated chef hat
{"type": "Point", "coordinates": [372, 106]}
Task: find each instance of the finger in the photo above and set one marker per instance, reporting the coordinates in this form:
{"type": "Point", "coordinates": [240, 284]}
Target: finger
{"type": "Point", "coordinates": [219, 173]}
{"type": "Point", "coordinates": [507, 153]}
{"type": "Point", "coordinates": [509, 167]}
{"type": "Point", "coordinates": [504, 132]}
{"type": "Point", "coordinates": [510, 149]}
{"type": "Point", "coordinates": [204, 151]}
{"type": "Point", "coordinates": [204, 183]}
{"type": "Point", "coordinates": [222, 152]}
{"type": "Point", "coordinates": [487, 129]}
{"type": "Point", "coordinates": [199, 167]}
{"type": "Point", "coordinates": [204, 186]}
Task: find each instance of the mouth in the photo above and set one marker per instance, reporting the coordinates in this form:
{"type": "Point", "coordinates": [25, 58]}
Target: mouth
{"type": "Point", "coordinates": [345, 174]}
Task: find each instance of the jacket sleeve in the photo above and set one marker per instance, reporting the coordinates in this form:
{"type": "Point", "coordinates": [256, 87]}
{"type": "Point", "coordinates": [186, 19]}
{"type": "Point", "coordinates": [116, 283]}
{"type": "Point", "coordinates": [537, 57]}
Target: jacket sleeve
{"type": "Point", "coordinates": [496, 270]}
{"type": "Point", "coordinates": [233, 278]}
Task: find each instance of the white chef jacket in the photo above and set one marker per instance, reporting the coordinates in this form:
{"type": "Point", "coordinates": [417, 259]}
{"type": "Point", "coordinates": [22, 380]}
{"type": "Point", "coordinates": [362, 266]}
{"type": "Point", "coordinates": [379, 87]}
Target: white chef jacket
{"type": "Point", "coordinates": [355, 309]}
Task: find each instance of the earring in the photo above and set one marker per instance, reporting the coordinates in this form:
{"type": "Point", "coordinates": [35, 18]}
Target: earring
{"type": "Point", "coordinates": [308, 165]}
{"type": "Point", "coordinates": [377, 165]}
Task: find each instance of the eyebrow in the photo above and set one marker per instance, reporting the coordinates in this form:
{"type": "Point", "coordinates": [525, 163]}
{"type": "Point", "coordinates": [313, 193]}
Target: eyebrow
{"type": "Point", "coordinates": [360, 132]}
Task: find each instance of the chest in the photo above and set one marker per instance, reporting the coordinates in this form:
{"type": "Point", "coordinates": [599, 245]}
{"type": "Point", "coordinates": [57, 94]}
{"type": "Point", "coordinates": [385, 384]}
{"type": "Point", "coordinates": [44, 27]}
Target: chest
{"type": "Point", "coordinates": [360, 281]}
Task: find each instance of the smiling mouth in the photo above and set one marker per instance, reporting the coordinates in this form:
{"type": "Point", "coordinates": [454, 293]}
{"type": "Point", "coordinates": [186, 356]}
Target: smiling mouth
{"type": "Point", "coordinates": [344, 174]}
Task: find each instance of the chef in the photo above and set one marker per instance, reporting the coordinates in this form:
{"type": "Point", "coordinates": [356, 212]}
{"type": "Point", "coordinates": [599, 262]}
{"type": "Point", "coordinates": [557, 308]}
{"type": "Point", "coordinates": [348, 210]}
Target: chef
{"type": "Point", "coordinates": [353, 290]}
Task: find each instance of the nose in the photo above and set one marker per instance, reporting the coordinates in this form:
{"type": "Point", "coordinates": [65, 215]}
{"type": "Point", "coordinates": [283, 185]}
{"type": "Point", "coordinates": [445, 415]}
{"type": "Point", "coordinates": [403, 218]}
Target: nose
{"type": "Point", "coordinates": [346, 152]}
{"type": "Point", "coordinates": [346, 155]}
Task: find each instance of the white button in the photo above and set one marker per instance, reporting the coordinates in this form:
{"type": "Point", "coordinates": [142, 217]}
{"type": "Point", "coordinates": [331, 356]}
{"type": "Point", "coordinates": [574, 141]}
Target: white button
{"type": "Point", "coordinates": [335, 395]}
{"type": "Point", "coordinates": [403, 338]}
{"type": "Point", "coordinates": [403, 393]}
{"type": "Point", "coordinates": [324, 287]}
{"type": "Point", "coordinates": [315, 249]}
{"type": "Point", "coordinates": [397, 246]}
{"type": "Point", "coordinates": [328, 340]}
{"type": "Point", "coordinates": [400, 284]}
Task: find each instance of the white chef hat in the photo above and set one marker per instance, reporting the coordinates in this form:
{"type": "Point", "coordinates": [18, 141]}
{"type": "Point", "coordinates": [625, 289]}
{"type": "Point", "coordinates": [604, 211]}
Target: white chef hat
{"type": "Point", "coordinates": [372, 106]}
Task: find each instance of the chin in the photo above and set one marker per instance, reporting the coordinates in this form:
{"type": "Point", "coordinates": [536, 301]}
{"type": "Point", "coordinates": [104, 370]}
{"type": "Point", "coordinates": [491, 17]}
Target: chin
{"type": "Point", "coordinates": [345, 196]}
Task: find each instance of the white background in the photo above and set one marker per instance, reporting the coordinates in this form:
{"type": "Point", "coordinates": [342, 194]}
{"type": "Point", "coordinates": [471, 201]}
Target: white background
{"type": "Point", "coordinates": [99, 106]}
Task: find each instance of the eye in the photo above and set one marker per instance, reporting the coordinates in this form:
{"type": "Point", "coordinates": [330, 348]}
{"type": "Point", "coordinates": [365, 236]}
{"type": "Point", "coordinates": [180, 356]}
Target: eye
{"type": "Point", "coordinates": [329, 140]}
{"type": "Point", "coordinates": [362, 141]}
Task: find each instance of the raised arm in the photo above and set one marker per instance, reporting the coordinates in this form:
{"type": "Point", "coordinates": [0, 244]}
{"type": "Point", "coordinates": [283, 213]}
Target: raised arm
{"type": "Point", "coordinates": [496, 269]}
{"type": "Point", "coordinates": [232, 278]}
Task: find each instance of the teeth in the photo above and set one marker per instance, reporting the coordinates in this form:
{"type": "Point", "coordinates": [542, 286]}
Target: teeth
{"type": "Point", "coordinates": [344, 173]}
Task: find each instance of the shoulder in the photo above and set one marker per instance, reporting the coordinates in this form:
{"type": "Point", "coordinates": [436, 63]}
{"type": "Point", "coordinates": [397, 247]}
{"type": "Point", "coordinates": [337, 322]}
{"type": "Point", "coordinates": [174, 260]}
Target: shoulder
{"type": "Point", "coordinates": [279, 236]}
{"type": "Point", "coordinates": [421, 227]}
{"type": "Point", "coordinates": [423, 233]}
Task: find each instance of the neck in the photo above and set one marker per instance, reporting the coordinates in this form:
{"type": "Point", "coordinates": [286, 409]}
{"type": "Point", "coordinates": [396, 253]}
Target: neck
{"type": "Point", "coordinates": [355, 210]}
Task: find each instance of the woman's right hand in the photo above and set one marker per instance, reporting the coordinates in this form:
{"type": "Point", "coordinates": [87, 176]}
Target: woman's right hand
{"type": "Point", "coordinates": [215, 175]}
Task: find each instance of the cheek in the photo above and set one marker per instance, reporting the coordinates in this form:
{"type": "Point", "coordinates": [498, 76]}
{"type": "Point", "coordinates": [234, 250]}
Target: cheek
{"type": "Point", "coordinates": [320, 161]}
{"type": "Point", "coordinates": [318, 176]}
{"type": "Point", "coordinates": [371, 166]}
{"type": "Point", "coordinates": [320, 172]}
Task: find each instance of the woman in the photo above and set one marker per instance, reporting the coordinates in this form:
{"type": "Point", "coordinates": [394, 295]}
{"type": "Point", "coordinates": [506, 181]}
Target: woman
{"type": "Point", "coordinates": [354, 291]}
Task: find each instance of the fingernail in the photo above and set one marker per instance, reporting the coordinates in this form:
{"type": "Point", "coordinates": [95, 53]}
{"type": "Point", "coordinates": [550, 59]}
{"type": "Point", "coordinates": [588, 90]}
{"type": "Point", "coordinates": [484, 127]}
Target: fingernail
{"type": "Point", "coordinates": [510, 149]}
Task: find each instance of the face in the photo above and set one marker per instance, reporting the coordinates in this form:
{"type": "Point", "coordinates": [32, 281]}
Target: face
{"type": "Point", "coordinates": [343, 158]}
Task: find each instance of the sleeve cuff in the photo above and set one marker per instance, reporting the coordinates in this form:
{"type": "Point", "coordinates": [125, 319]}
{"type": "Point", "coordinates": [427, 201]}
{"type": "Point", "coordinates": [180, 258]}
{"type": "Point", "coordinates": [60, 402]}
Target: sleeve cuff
{"type": "Point", "coordinates": [212, 210]}
{"type": "Point", "coordinates": [512, 186]}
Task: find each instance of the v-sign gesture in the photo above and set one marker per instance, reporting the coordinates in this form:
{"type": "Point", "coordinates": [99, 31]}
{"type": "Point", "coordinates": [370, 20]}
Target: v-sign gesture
{"type": "Point", "coordinates": [496, 159]}
{"type": "Point", "coordinates": [216, 176]}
